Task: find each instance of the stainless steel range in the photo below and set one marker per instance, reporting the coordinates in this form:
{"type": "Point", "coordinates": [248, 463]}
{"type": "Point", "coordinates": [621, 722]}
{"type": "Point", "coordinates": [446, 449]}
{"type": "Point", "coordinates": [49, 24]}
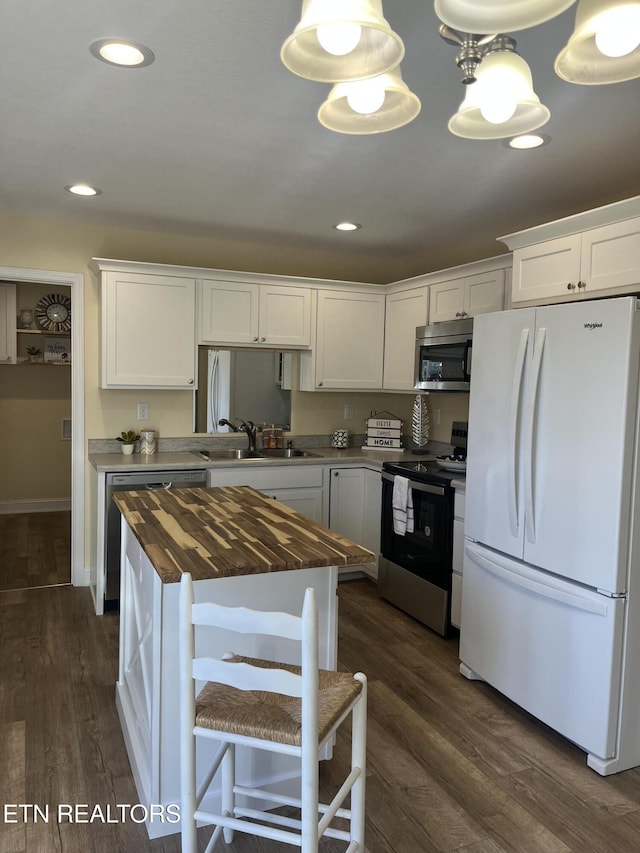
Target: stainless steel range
{"type": "Point", "coordinates": [415, 564]}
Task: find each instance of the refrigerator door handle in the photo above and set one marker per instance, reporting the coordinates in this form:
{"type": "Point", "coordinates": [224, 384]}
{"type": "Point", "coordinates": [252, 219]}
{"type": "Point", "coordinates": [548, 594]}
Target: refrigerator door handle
{"type": "Point", "coordinates": [531, 407]}
{"type": "Point", "coordinates": [571, 599]}
{"type": "Point", "coordinates": [516, 393]}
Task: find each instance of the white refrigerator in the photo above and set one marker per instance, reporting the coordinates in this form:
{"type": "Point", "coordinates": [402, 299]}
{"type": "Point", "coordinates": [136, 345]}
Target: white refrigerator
{"type": "Point", "coordinates": [550, 602]}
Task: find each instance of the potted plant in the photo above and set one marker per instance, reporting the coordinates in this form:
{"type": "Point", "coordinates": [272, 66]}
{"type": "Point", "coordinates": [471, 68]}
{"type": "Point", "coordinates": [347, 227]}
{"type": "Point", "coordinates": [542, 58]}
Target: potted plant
{"type": "Point", "coordinates": [34, 354]}
{"type": "Point", "coordinates": [127, 440]}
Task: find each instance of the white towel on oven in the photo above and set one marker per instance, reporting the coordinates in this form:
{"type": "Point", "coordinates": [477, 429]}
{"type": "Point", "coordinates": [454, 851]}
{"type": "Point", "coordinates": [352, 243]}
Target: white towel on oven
{"type": "Point", "coordinates": [402, 505]}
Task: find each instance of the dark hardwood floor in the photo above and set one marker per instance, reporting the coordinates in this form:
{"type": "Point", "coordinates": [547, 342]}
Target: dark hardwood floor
{"type": "Point", "coordinates": [452, 765]}
{"type": "Point", "coordinates": [35, 550]}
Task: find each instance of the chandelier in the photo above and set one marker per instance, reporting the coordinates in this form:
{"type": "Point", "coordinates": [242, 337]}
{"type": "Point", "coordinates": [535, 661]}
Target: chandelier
{"type": "Point", "coordinates": [350, 44]}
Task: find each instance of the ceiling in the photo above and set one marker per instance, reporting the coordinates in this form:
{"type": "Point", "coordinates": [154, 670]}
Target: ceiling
{"type": "Point", "coordinates": [216, 137]}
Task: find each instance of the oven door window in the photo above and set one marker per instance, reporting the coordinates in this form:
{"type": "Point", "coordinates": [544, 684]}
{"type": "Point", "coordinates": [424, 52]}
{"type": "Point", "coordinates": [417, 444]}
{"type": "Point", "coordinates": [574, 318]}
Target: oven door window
{"type": "Point", "coordinates": [427, 551]}
{"type": "Point", "coordinates": [444, 362]}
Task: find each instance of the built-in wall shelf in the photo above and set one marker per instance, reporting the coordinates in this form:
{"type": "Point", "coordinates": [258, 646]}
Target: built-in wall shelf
{"type": "Point", "coordinates": [42, 332]}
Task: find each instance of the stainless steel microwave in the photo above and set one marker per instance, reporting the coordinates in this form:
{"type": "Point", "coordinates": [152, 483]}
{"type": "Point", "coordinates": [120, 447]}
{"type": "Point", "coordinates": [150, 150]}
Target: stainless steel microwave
{"type": "Point", "coordinates": [443, 356]}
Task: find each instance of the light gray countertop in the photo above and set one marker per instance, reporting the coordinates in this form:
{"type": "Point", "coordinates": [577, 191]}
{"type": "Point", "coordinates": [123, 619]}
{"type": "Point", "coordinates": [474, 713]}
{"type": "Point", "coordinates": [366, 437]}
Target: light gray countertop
{"type": "Point", "coordinates": [185, 460]}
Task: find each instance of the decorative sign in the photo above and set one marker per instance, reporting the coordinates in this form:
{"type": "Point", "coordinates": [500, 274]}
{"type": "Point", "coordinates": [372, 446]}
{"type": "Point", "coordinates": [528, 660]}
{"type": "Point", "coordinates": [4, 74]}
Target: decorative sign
{"type": "Point", "coordinates": [57, 350]}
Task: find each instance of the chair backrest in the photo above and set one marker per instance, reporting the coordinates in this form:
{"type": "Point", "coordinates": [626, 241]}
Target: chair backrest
{"type": "Point", "coordinates": [218, 668]}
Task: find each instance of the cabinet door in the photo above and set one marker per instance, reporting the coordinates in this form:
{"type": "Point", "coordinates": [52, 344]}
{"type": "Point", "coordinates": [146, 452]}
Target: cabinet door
{"type": "Point", "coordinates": [307, 502]}
{"type": "Point", "coordinates": [350, 340]}
{"type": "Point", "coordinates": [546, 270]}
{"type": "Point", "coordinates": [346, 506]}
{"type": "Point", "coordinates": [611, 256]}
{"type": "Point", "coordinates": [446, 301]}
{"type": "Point", "coordinates": [228, 312]}
{"type": "Point", "coordinates": [484, 293]}
{"type": "Point", "coordinates": [8, 346]}
{"type": "Point", "coordinates": [285, 316]}
{"type": "Point", "coordinates": [346, 503]}
{"type": "Point", "coordinates": [404, 311]}
{"type": "Point", "coordinates": [148, 331]}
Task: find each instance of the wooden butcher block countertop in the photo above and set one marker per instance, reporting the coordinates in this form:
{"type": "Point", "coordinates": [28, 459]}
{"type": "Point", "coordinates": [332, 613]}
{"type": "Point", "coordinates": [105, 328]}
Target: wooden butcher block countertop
{"type": "Point", "coordinates": [229, 531]}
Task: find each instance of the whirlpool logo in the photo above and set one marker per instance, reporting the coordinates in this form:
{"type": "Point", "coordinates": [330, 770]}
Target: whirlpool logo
{"type": "Point", "coordinates": [593, 325]}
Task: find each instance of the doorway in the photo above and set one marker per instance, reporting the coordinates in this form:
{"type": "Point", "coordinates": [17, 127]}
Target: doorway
{"type": "Point", "coordinates": [74, 283]}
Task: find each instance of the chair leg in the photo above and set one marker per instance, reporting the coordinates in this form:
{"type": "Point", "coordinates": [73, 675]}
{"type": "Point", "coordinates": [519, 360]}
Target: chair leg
{"type": "Point", "coordinates": [228, 770]}
{"type": "Point", "coordinates": [309, 811]}
{"type": "Point", "coordinates": [359, 759]}
{"type": "Point", "coordinates": [188, 827]}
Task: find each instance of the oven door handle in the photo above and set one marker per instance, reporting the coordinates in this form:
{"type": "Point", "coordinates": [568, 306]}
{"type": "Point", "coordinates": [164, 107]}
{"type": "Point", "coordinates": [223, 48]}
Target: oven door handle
{"type": "Point", "coordinates": [419, 487]}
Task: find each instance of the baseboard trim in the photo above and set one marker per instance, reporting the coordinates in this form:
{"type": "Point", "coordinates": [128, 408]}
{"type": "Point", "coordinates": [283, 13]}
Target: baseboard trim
{"type": "Point", "coordinates": [44, 505]}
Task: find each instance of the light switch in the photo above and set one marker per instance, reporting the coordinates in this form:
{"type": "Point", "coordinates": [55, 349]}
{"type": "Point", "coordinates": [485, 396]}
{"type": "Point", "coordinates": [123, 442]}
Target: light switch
{"type": "Point", "coordinates": [143, 411]}
{"type": "Point", "coordinates": [348, 411]}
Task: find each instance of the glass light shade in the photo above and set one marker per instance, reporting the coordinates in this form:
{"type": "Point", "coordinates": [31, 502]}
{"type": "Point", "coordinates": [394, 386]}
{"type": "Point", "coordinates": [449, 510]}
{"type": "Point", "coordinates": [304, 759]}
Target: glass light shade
{"type": "Point", "coordinates": [503, 79]}
{"type": "Point", "coordinates": [399, 106]}
{"type": "Point", "coordinates": [528, 113]}
{"type": "Point", "coordinates": [583, 62]}
{"type": "Point", "coordinates": [498, 16]}
{"type": "Point", "coordinates": [378, 49]}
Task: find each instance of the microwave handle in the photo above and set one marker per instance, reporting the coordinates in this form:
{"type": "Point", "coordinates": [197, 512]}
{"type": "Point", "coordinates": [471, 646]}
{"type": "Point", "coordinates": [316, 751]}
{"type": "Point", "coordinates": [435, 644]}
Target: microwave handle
{"type": "Point", "coordinates": [466, 361]}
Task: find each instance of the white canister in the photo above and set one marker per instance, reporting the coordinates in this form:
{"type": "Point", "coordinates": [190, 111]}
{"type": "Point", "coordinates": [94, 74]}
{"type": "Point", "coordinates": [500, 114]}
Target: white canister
{"type": "Point", "coordinates": [147, 442]}
{"type": "Point", "coordinates": [340, 438]}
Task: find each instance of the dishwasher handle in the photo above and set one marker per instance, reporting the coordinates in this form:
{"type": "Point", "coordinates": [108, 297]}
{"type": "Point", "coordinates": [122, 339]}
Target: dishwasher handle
{"type": "Point", "coordinates": [155, 486]}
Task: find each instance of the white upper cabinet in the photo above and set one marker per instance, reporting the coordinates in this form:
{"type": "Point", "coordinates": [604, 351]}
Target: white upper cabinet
{"type": "Point", "coordinates": [8, 345]}
{"type": "Point", "coordinates": [148, 330]}
{"type": "Point", "coordinates": [349, 344]}
{"type": "Point", "coordinates": [568, 259]}
{"type": "Point", "coordinates": [467, 296]}
{"type": "Point", "coordinates": [243, 313]}
{"type": "Point", "coordinates": [404, 312]}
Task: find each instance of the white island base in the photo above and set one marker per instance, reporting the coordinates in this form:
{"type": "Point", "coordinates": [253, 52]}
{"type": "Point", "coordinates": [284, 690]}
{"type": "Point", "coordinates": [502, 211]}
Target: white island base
{"type": "Point", "coordinates": [147, 692]}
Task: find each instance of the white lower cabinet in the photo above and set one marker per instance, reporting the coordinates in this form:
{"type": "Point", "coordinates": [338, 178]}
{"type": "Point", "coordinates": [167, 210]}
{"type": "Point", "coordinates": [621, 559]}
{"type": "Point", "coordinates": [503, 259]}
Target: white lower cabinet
{"type": "Point", "coordinates": [8, 346]}
{"type": "Point", "coordinates": [355, 500]}
{"type": "Point", "coordinates": [458, 556]}
{"type": "Point", "coordinates": [299, 487]}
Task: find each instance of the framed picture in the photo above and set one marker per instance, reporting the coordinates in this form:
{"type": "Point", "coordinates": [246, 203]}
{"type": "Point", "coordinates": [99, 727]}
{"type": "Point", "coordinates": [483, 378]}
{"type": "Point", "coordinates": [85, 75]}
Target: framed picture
{"type": "Point", "coordinates": [57, 350]}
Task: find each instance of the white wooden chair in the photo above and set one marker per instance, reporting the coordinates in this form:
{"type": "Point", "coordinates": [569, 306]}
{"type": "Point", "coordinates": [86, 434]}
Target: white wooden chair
{"type": "Point", "coordinates": [249, 702]}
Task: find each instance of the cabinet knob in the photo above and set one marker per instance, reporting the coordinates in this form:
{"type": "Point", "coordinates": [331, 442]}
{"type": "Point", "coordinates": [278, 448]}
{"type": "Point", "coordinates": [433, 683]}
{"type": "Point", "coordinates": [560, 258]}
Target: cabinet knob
{"type": "Point", "coordinates": [191, 382]}
{"type": "Point", "coordinates": [336, 473]}
{"type": "Point", "coordinates": [262, 340]}
{"type": "Point", "coordinates": [582, 285]}
{"type": "Point", "coordinates": [255, 339]}
{"type": "Point", "coordinates": [571, 286]}
{"type": "Point", "coordinates": [319, 384]}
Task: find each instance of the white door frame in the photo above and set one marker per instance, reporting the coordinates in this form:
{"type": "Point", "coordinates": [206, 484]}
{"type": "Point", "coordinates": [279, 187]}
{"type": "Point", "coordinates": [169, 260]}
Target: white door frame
{"type": "Point", "coordinates": [79, 576]}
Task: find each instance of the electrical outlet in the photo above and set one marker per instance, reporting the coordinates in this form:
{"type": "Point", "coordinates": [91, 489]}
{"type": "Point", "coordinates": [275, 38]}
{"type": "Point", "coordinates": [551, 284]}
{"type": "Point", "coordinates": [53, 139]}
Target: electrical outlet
{"type": "Point", "coordinates": [436, 416]}
{"type": "Point", "coordinates": [348, 411]}
{"type": "Point", "coordinates": [143, 411]}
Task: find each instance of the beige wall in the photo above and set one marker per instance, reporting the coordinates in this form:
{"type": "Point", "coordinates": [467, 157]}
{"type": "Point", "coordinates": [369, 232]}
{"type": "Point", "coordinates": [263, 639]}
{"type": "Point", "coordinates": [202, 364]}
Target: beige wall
{"type": "Point", "coordinates": [67, 246]}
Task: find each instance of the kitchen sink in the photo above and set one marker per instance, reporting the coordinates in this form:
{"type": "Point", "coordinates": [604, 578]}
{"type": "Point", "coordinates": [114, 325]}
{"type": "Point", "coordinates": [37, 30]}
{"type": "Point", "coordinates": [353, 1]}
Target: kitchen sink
{"type": "Point", "coordinates": [237, 453]}
{"type": "Point", "coordinates": [287, 453]}
{"type": "Point", "coordinates": [240, 453]}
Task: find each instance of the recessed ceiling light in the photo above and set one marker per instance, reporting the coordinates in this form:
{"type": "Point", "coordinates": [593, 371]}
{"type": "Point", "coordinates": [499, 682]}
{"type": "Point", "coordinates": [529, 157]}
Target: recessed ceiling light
{"type": "Point", "coordinates": [347, 226]}
{"type": "Point", "coordinates": [527, 140]}
{"type": "Point", "coordinates": [82, 189]}
{"type": "Point", "coordinates": [129, 54]}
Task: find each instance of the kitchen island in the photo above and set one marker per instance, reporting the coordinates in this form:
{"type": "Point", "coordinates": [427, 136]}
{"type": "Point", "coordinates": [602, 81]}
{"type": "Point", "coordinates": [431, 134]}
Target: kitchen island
{"type": "Point", "coordinates": [241, 548]}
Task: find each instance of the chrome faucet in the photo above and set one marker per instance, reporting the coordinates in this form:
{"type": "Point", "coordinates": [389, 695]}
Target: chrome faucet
{"type": "Point", "coordinates": [250, 428]}
{"type": "Point", "coordinates": [225, 422]}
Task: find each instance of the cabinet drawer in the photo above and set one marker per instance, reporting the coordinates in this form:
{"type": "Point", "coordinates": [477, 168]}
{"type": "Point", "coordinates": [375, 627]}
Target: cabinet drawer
{"type": "Point", "coordinates": [268, 478]}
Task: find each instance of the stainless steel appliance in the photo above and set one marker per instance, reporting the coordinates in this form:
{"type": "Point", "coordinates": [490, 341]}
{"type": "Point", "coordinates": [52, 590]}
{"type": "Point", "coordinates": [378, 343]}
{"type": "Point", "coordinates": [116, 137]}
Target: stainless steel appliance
{"type": "Point", "coordinates": [443, 356]}
{"type": "Point", "coordinates": [127, 482]}
{"type": "Point", "coordinates": [415, 568]}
